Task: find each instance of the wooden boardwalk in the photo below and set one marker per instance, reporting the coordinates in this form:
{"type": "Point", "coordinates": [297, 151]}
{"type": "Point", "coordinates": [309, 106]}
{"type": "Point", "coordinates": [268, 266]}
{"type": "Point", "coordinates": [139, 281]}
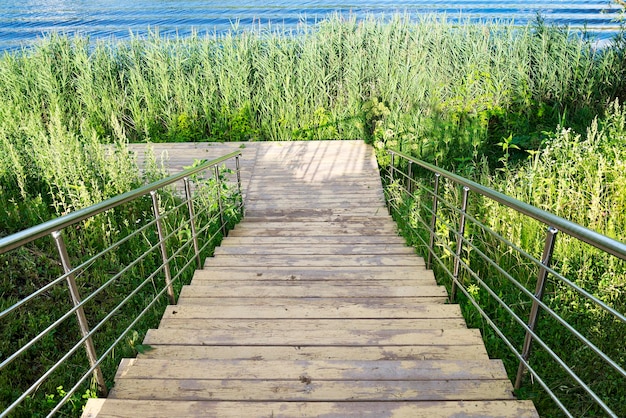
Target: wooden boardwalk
{"type": "Point", "coordinates": [313, 306]}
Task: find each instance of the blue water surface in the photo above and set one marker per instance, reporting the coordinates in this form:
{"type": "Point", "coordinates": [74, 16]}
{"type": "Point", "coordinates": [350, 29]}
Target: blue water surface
{"type": "Point", "coordinates": [23, 21]}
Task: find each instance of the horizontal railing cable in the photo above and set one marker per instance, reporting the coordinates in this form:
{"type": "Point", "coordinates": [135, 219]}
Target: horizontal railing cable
{"type": "Point", "coordinates": [592, 238]}
{"type": "Point", "coordinates": [23, 237]}
{"type": "Point", "coordinates": [425, 209]}
{"type": "Point", "coordinates": [164, 212]}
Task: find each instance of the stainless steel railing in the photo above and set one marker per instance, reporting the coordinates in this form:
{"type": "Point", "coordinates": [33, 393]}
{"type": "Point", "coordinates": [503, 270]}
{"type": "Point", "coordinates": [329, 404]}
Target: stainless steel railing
{"type": "Point", "coordinates": [465, 253]}
{"type": "Point", "coordinates": [178, 231]}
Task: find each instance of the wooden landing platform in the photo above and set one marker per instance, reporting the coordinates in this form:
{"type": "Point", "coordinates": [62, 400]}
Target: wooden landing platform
{"type": "Point", "coordinates": [313, 306]}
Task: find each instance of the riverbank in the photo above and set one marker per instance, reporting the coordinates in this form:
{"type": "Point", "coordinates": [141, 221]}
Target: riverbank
{"type": "Point", "coordinates": [478, 99]}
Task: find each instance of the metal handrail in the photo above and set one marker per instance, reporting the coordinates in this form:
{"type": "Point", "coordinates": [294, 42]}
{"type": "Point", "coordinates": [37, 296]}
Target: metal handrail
{"type": "Point", "coordinates": [593, 238]}
{"type": "Point", "coordinates": [164, 232]}
{"type": "Point", "coordinates": [404, 181]}
{"type": "Point", "coordinates": [24, 237]}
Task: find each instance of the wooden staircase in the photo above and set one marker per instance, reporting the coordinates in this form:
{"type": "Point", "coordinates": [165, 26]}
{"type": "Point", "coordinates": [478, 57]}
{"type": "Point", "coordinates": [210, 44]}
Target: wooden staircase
{"type": "Point", "coordinates": [313, 306]}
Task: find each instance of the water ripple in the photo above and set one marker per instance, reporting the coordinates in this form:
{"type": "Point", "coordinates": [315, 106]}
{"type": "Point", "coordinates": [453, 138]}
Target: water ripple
{"type": "Point", "coordinates": [23, 21]}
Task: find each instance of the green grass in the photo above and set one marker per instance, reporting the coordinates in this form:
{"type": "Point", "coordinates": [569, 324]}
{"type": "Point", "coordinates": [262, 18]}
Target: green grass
{"type": "Point", "coordinates": [34, 265]}
{"type": "Point", "coordinates": [473, 97]}
{"type": "Point", "coordinates": [578, 177]}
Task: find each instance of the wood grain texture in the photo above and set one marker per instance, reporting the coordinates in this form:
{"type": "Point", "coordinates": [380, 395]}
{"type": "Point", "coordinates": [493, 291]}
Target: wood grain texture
{"type": "Point", "coordinates": [115, 408]}
{"type": "Point", "coordinates": [312, 306]}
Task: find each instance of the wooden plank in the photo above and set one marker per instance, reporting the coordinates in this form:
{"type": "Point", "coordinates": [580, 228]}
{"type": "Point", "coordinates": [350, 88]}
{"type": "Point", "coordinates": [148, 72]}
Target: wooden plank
{"type": "Point", "coordinates": [116, 408]}
{"type": "Point", "coordinates": [318, 240]}
{"type": "Point", "coordinates": [287, 353]}
{"type": "Point", "coordinates": [369, 210]}
{"type": "Point", "coordinates": [295, 390]}
{"type": "Point", "coordinates": [228, 260]}
{"type": "Point", "coordinates": [383, 223]}
{"type": "Point", "coordinates": [390, 283]}
{"type": "Point", "coordinates": [348, 187]}
{"type": "Point", "coordinates": [293, 201]}
{"type": "Point", "coordinates": [317, 370]}
{"type": "Point", "coordinates": [316, 249]}
{"type": "Point", "coordinates": [296, 274]}
{"type": "Point", "coordinates": [324, 194]}
{"type": "Point", "coordinates": [321, 301]}
{"type": "Point", "coordinates": [319, 218]}
{"type": "Point", "coordinates": [278, 232]}
{"type": "Point", "coordinates": [307, 207]}
{"type": "Point", "coordinates": [363, 194]}
{"type": "Point", "coordinates": [304, 324]}
{"type": "Point", "coordinates": [308, 309]}
{"type": "Point", "coordinates": [442, 337]}
{"type": "Point", "coordinates": [304, 290]}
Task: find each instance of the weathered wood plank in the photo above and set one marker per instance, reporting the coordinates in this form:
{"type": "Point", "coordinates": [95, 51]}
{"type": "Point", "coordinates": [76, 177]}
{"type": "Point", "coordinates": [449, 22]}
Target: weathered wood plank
{"type": "Point", "coordinates": [316, 240]}
{"type": "Point", "coordinates": [315, 225]}
{"type": "Point", "coordinates": [304, 324]}
{"type": "Point", "coordinates": [235, 260]}
{"type": "Point", "coordinates": [287, 353]}
{"type": "Point", "coordinates": [325, 391]}
{"type": "Point", "coordinates": [318, 370]}
{"type": "Point", "coordinates": [304, 290]}
{"type": "Point", "coordinates": [315, 249]}
{"type": "Point", "coordinates": [116, 408]}
{"type": "Point", "coordinates": [280, 232]}
{"type": "Point", "coordinates": [318, 218]}
{"type": "Point", "coordinates": [441, 337]}
{"type": "Point", "coordinates": [305, 274]}
{"type": "Point", "coordinates": [312, 309]}
{"type": "Point", "coordinates": [307, 207]}
{"type": "Point", "coordinates": [329, 194]}
{"type": "Point", "coordinates": [365, 210]}
{"type": "Point", "coordinates": [385, 284]}
{"type": "Point", "coordinates": [320, 301]}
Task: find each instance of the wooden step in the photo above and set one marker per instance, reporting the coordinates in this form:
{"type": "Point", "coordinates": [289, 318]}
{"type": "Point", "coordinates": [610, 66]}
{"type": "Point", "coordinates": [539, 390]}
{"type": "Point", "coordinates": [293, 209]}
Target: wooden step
{"type": "Point", "coordinates": [301, 240]}
{"type": "Point", "coordinates": [316, 300]}
{"type": "Point", "coordinates": [276, 211]}
{"type": "Point", "coordinates": [457, 337]}
{"type": "Point", "coordinates": [308, 309]}
{"type": "Point", "coordinates": [309, 290]}
{"type": "Point", "coordinates": [348, 282]}
{"type": "Point", "coordinates": [312, 306]}
{"type": "Point", "coordinates": [314, 274]}
{"type": "Point", "coordinates": [315, 249]}
{"type": "Point", "coordinates": [304, 324]}
{"type": "Point", "coordinates": [290, 353]}
{"type": "Point", "coordinates": [318, 370]}
{"type": "Point", "coordinates": [436, 409]}
{"type": "Point", "coordinates": [239, 260]}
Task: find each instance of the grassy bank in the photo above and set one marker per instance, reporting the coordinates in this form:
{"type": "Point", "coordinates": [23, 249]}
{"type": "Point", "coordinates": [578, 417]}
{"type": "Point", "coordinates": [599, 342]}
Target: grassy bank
{"type": "Point", "coordinates": [476, 98]}
{"type": "Point", "coordinates": [580, 177]}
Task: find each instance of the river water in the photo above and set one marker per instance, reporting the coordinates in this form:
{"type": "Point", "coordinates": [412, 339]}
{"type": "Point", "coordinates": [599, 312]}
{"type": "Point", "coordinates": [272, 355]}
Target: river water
{"type": "Point", "coordinates": [23, 21]}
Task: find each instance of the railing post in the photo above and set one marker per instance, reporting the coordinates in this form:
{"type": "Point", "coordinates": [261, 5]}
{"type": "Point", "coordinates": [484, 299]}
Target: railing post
{"type": "Point", "coordinates": [410, 178]}
{"type": "Point", "coordinates": [192, 221]}
{"type": "Point", "coordinates": [238, 168]}
{"type": "Point", "coordinates": [433, 222]}
{"type": "Point", "coordinates": [459, 244]}
{"type": "Point", "coordinates": [391, 166]}
{"type": "Point", "coordinates": [219, 199]}
{"type": "Point", "coordinates": [80, 312]}
{"type": "Point", "coordinates": [166, 263]}
{"type": "Point", "coordinates": [546, 258]}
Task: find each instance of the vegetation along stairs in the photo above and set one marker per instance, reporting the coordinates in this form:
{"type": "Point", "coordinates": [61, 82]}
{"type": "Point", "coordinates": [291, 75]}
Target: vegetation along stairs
{"type": "Point", "coordinates": [313, 306]}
